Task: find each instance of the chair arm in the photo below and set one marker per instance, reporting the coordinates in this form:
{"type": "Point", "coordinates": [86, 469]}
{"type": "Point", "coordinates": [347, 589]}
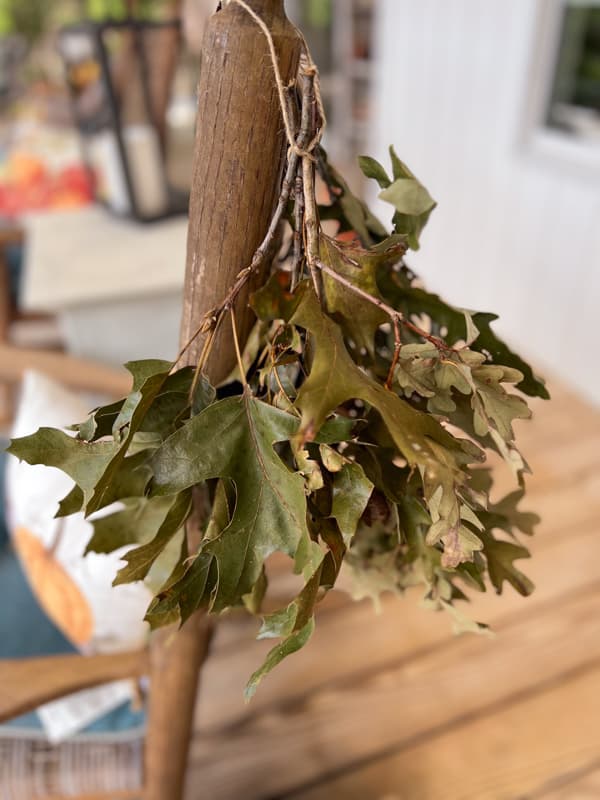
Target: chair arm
{"type": "Point", "coordinates": [27, 683]}
{"type": "Point", "coordinates": [77, 373]}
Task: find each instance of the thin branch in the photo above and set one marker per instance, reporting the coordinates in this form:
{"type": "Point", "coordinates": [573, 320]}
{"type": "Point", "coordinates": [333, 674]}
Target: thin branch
{"type": "Point", "coordinates": [298, 252]}
{"type": "Point", "coordinates": [311, 224]}
{"type": "Point", "coordinates": [396, 356]}
{"type": "Point", "coordinates": [392, 313]}
{"type": "Point", "coordinates": [238, 353]}
{"type": "Point", "coordinates": [311, 217]}
{"type": "Point", "coordinates": [207, 347]}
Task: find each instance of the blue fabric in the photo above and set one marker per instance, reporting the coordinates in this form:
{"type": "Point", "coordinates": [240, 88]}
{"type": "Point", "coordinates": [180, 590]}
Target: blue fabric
{"type": "Point", "coordinates": [3, 528]}
{"type": "Point", "coordinates": [14, 255]}
{"type": "Point", "coordinates": [26, 632]}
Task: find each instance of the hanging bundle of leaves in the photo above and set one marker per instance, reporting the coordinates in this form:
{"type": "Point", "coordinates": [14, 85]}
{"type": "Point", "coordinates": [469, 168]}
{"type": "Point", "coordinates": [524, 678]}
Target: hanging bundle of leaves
{"type": "Point", "coordinates": [354, 433]}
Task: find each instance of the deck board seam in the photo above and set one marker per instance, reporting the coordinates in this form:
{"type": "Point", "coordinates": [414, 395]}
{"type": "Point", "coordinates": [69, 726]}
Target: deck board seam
{"type": "Point", "coordinates": [490, 709]}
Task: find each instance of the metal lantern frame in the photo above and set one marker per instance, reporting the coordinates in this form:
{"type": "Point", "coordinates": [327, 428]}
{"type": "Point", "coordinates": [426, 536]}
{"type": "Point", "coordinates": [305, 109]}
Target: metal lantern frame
{"type": "Point", "coordinates": [110, 116]}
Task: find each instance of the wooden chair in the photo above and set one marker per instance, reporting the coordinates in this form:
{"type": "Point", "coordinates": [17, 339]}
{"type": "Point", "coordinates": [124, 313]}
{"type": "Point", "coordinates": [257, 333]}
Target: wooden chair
{"type": "Point", "coordinates": [27, 683]}
{"type": "Point", "coordinates": [236, 63]}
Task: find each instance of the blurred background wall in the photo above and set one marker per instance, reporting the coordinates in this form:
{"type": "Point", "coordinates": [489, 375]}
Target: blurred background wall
{"type": "Point", "coordinates": [469, 92]}
{"type": "Point", "coordinates": [495, 104]}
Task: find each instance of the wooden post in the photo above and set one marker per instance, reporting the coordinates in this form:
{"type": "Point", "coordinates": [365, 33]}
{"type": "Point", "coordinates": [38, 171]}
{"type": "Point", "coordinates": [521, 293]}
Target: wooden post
{"type": "Point", "coordinates": [235, 186]}
{"type": "Point", "coordinates": [237, 167]}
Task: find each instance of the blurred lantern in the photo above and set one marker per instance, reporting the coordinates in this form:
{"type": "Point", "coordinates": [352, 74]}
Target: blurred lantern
{"type": "Point", "coordinates": [120, 73]}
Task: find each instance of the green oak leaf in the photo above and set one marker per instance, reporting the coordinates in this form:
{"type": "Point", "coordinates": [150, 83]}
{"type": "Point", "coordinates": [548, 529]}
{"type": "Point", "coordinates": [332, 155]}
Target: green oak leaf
{"type": "Point", "coordinates": [140, 560]}
{"type": "Point", "coordinates": [412, 202]}
{"type": "Point", "coordinates": [99, 423]}
{"type": "Point", "coordinates": [399, 168]}
{"type": "Point", "coordinates": [351, 490]}
{"type": "Point", "coordinates": [253, 600]}
{"type": "Point", "coordinates": [274, 300]}
{"type": "Point", "coordinates": [498, 408]}
{"type": "Point", "coordinates": [294, 624]}
{"type": "Point", "coordinates": [71, 503]}
{"type": "Point", "coordinates": [170, 404]}
{"type": "Point", "coordinates": [414, 301]}
{"type": "Point", "coordinates": [410, 198]}
{"type": "Point", "coordinates": [352, 213]}
{"type": "Point", "coordinates": [371, 168]}
{"type": "Point", "coordinates": [183, 593]}
{"type": "Point", "coordinates": [500, 556]}
{"type": "Point", "coordinates": [149, 377]}
{"type": "Point", "coordinates": [336, 428]}
{"type": "Point", "coordinates": [205, 394]}
{"type": "Point", "coordinates": [373, 579]}
{"type": "Point", "coordinates": [234, 439]}
{"type": "Point", "coordinates": [162, 414]}
{"type": "Point", "coordinates": [506, 516]}
{"type": "Point", "coordinates": [334, 379]}
{"type": "Point", "coordinates": [84, 462]}
{"type": "Point", "coordinates": [462, 623]}
{"type": "Point", "coordinates": [380, 468]}
{"type": "Point", "coordinates": [328, 531]}
{"type": "Point", "coordinates": [332, 460]}
{"type": "Point", "coordinates": [359, 320]}
{"type": "Point", "coordinates": [138, 522]}
{"type": "Point", "coordinates": [130, 481]}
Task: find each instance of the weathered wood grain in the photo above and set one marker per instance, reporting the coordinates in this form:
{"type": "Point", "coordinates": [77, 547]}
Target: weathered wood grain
{"type": "Point", "coordinates": [386, 708]}
{"type": "Point", "coordinates": [575, 783]}
{"type": "Point", "coordinates": [401, 632]}
{"type": "Point", "coordinates": [504, 755]}
{"type": "Point", "coordinates": [27, 683]}
{"type": "Point", "coordinates": [373, 689]}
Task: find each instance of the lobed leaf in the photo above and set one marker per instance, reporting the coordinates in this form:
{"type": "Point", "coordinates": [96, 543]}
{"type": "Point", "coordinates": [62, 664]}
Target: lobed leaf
{"type": "Point", "coordinates": [234, 439]}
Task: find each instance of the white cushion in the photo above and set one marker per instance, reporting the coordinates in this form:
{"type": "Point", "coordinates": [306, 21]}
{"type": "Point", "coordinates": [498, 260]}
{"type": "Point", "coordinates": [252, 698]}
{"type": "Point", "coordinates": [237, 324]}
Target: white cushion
{"type": "Point", "coordinates": [75, 591]}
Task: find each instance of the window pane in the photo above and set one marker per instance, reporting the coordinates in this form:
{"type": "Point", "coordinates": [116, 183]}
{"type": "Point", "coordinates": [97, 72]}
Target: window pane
{"type": "Point", "coordinates": [575, 99]}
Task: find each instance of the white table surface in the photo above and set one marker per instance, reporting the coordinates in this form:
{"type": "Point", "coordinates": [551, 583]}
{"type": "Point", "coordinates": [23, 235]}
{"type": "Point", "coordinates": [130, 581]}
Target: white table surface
{"type": "Point", "coordinates": [115, 286]}
{"type": "Point", "coordinates": [83, 256]}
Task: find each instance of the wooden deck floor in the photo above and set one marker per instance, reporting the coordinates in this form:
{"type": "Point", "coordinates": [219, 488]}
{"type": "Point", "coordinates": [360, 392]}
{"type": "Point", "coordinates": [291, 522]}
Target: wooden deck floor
{"type": "Point", "coordinates": [394, 707]}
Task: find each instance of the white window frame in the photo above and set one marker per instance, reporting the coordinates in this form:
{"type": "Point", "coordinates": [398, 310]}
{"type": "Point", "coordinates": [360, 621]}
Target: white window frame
{"type": "Point", "coordinates": [541, 140]}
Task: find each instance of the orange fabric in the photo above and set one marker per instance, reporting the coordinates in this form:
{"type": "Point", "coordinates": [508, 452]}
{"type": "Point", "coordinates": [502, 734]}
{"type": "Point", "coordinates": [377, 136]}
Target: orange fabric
{"type": "Point", "coordinates": [56, 592]}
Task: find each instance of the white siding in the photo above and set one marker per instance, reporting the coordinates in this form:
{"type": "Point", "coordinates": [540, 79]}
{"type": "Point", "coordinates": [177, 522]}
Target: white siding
{"type": "Point", "coordinates": [514, 233]}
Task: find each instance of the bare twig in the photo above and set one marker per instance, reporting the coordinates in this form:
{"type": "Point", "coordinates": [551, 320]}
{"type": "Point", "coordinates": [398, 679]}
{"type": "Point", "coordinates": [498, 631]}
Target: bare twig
{"type": "Point", "coordinates": [395, 316]}
{"type": "Point", "coordinates": [311, 217]}
{"type": "Point", "coordinates": [298, 252]}
{"type": "Point", "coordinates": [396, 356]}
{"type": "Point", "coordinates": [311, 224]}
{"type": "Point", "coordinates": [238, 353]}
{"type": "Point", "coordinates": [206, 348]}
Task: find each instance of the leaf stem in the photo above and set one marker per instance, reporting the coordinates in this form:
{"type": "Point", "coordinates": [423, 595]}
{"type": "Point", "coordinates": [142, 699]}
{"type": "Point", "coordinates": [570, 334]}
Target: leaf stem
{"type": "Point", "coordinates": [238, 353]}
